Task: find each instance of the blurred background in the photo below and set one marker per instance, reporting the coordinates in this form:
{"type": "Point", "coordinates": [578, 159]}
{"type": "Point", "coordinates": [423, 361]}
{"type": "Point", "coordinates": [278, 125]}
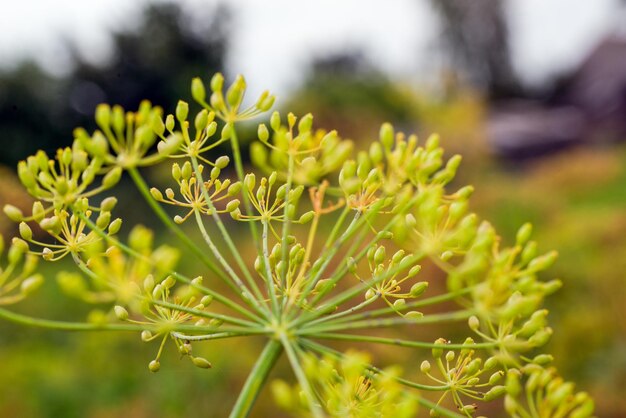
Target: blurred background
{"type": "Point", "coordinates": [532, 93]}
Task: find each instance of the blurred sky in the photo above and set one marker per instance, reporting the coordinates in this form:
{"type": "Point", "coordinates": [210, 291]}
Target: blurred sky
{"type": "Point", "coordinates": [273, 40]}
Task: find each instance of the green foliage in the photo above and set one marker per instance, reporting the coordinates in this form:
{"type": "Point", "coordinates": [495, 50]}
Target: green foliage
{"type": "Point", "coordinates": [390, 212]}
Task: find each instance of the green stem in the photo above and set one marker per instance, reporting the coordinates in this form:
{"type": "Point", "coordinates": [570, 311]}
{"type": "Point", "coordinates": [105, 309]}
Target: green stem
{"type": "Point", "coordinates": [385, 322]}
{"type": "Point", "coordinates": [256, 379]}
{"type": "Point", "coordinates": [83, 326]}
{"type": "Point", "coordinates": [287, 221]}
{"type": "Point", "coordinates": [234, 142]}
{"type": "Point", "coordinates": [303, 380]}
{"type": "Point", "coordinates": [225, 235]}
{"type": "Point", "coordinates": [401, 343]}
{"type": "Point", "coordinates": [158, 210]}
{"type": "Point", "coordinates": [271, 288]}
{"type": "Point", "coordinates": [217, 296]}
{"type": "Point", "coordinates": [389, 310]}
{"type": "Point", "coordinates": [218, 255]}
{"type": "Point", "coordinates": [341, 271]}
{"type": "Point", "coordinates": [65, 326]}
{"type": "Point", "coordinates": [206, 314]}
{"type": "Point", "coordinates": [336, 227]}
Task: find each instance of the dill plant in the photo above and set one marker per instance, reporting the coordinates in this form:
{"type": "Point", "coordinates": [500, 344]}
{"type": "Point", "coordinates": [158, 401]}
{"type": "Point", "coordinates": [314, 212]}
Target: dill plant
{"type": "Point", "coordinates": [340, 237]}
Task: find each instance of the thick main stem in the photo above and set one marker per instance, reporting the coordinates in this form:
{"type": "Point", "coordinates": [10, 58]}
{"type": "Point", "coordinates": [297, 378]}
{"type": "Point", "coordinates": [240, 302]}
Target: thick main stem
{"type": "Point", "coordinates": [256, 379]}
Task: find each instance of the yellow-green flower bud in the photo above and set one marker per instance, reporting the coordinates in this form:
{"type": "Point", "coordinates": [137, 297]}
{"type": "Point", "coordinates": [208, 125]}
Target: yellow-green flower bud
{"type": "Point", "coordinates": [495, 377]}
{"type": "Point", "coordinates": [275, 121]}
{"type": "Point", "coordinates": [232, 205]}
{"type": "Point", "coordinates": [154, 366]}
{"type": "Point", "coordinates": [98, 146]}
{"type": "Point", "coordinates": [47, 254]}
{"type": "Point", "coordinates": [114, 227]}
{"type": "Point", "coordinates": [112, 177]}
{"type": "Point", "coordinates": [14, 213]}
{"type": "Point", "coordinates": [494, 393]}
{"type": "Point", "coordinates": [170, 145]}
{"type": "Point", "coordinates": [103, 115]}
{"type": "Point", "coordinates": [414, 315]}
{"type": "Point", "coordinates": [541, 337]}
{"type": "Point", "coordinates": [182, 111]}
{"type": "Point", "coordinates": [236, 214]}
{"type": "Point", "coordinates": [235, 92]}
{"type": "Point", "coordinates": [51, 225]}
{"type": "Point", "coordinates": [222, 162]}
{"type": "Point", "coordinates": [25, 175]}
{"type": "Point", "coordinates": [156, 194]}
{"type": "Point", "coordinates": [198, 92]}
{"type": "Point", "coordinates": [108, 204]}
{"type": "Point", "coordinates": [376, 152]}
{"type": "Point", "coordinates": [170, 123]}
{"type": "Point", "coordinates": [38, 211]}
{"type": "Point", "coordinates": [351, 264]}
{"type": "Point", "coordinates": [157, 124]}
{"type": "Point", "coordinates": [513, 385]}
{"type": "Point", "coordinates": [324, 285]}
{"type": "Point", "coordinates": [201, 121]}
{"type": "Point", "coordinates": [379, 255]}
{"type": "Point", "coordinates": [543, 359]}
{"type": "Point", "coordinates": [31, 284]}
{"type": "Point", "coordinates": [306, 123]}
{"type": "Point", "coordinates": [283, 395]}
{"type": "Point", "coordinates": [557, 397]}
{"type": "Point", "coordinates": [543, 262]}
{"type": "Point", "coordinates": [217, 82]}
{"type": "Point", "coordinates": [387, 135]}
{"type": "Point", "coordinates": [437, 351]}
{"type": "Point", "coordinates": [474, 323]}
{"type": "Point", "coordinates": [25, 231]}
{"type": "Point", "coordinates": [266, 104]}
{"type": "Point", "coordinates": [120, 312]}
{"type": "Point", "coordinates": [432, 142]}
{"type": "Point", "coordinates": [585, 410]}
{"type": "Point", "coordinates": [306, 217]}
{"type": "Point", "coordinates": [418, 288]}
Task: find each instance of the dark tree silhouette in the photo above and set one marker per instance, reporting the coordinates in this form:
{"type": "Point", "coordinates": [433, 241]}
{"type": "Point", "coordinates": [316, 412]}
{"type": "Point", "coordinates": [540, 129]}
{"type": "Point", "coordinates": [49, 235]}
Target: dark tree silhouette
{"type": "Point", "coordinates": [476, 35]}
{"type": "Point", "coordinates": [155, 62]}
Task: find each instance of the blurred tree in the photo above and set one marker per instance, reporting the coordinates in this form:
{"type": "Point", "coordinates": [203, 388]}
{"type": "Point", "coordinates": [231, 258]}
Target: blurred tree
{"type": "Point", "coordinates": [476, 35]}
{"type": "Point", "coordinates": [346, 91]}
{"type": "Point", "coordinates": [154, 62]}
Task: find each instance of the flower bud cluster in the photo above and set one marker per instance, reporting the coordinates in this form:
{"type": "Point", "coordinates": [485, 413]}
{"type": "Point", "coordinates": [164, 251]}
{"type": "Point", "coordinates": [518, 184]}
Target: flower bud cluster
{"type": "Point", "coordinates": [347, 388]}
{"type": "Point", "coordinates": [393, 279]}
{"type": "Point", "coordinates": [126, 139]}
{"type": "Point", "coordinates": [271, 201]}
{"type": "Point", "coordinates": [464, 376]}
{"type": "Point", "coordinates": [227, 105]}
{"type": "Point", "coordinates": [507, 293]}
{"type": "Point", "coordinates": [544, 394]}
{"type": "Point", "coordinates": [308, 156]}
{"type": "Point", "coordinates": [194, 194]}
{"type": "Point", "coordinates": [60, 182]}
{"type": "Point", "coordinates": [18, 277]}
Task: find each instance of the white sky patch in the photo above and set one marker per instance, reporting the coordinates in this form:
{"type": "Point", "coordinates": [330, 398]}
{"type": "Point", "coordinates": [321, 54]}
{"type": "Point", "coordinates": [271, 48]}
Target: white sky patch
{"type": "Point", "coordinates": [274, 40]}
{"type": "Point", "coordinates": [552, 36]}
